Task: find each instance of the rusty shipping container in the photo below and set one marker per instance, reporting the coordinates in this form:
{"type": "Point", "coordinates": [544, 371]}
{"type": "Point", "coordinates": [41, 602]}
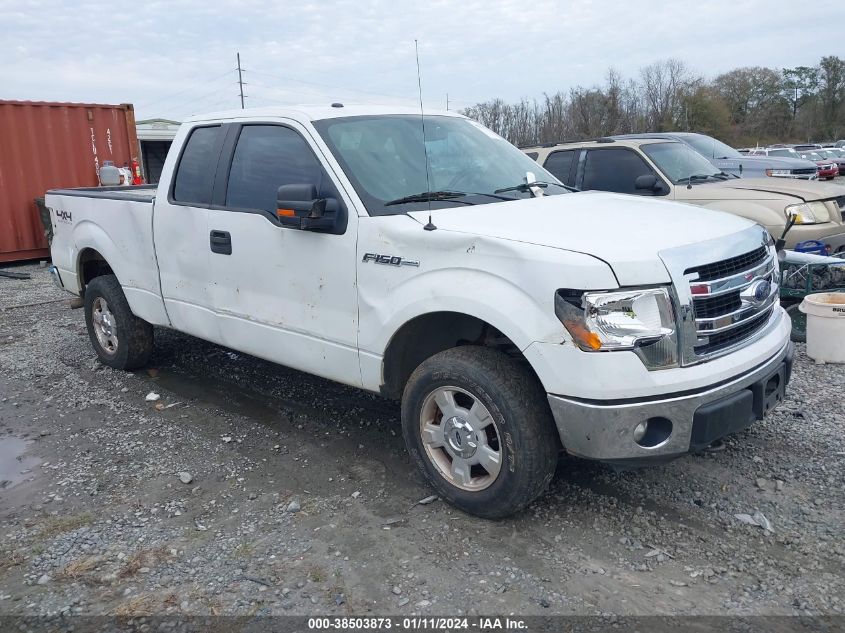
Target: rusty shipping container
{"type": "Point", "coordinates": [48, 145]}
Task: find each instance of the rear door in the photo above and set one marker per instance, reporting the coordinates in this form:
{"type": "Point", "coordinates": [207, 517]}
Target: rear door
{"type": "Point", "coordinates": [562, 164]}
{"type": "Point", "coordinates": [281, 293]}
{"type": "Point", "coordinates": [180, 230]}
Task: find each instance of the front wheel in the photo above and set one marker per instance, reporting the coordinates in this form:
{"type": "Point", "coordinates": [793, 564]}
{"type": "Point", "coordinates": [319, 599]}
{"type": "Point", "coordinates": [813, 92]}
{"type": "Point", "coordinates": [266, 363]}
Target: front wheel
{"type": "Point", "coordinates": [121, 339]}
{"type": "Point", "coordinates": [479, 426]}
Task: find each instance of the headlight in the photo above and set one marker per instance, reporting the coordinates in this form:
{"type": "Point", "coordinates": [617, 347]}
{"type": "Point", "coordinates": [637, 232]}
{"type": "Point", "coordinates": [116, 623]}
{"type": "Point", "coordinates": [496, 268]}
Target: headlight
{"type": "Point", "coordinates": [641, 320]}
{"type": "Point", "coordinates": [778, 172]}
{"type": "Point", "coordinates": [809, 212]}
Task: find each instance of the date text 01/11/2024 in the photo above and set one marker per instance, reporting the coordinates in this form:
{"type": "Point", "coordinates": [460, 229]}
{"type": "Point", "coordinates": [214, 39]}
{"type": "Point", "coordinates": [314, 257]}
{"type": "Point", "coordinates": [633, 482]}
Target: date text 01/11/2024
{"type": "Point", "coordinates": [417, 623]}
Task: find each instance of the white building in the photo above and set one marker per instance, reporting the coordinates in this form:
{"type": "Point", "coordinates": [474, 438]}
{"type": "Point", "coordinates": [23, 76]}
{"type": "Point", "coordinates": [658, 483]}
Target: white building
{"type": "Point", "coordinates": [154, 139]}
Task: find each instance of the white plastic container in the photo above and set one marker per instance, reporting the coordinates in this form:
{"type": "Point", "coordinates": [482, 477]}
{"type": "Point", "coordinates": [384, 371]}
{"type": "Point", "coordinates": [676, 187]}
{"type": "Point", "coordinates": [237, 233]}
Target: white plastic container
{"type": "Point", "coordinates": [825, 326]}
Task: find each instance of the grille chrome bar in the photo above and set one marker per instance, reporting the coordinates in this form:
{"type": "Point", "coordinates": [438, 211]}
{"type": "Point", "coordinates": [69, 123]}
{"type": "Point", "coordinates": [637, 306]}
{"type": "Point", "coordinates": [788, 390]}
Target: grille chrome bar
{"type": "Point", "coordinates": [734, 319]}
{"type": "Point", "coordinates": [734, 282]}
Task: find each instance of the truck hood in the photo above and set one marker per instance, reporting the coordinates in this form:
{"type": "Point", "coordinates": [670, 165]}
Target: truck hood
{"type": "Point", "coordinates": [763, 189]}
{"type": "Point", "coordinates": [775, 162]}
{"type": "Point", "coordinates": [626, 232]}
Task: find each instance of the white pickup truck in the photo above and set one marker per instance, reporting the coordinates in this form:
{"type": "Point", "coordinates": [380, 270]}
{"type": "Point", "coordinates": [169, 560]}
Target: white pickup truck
{"type": "Point", "coordinates": [431, 261]}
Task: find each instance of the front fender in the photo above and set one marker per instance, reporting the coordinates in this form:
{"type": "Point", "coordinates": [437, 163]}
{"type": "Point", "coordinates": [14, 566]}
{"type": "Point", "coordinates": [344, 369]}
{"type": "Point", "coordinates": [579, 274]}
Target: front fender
{"type": "Point", "coordinates": [507, 284]}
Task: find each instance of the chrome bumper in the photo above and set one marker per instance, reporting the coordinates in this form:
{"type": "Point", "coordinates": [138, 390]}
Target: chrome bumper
{"type": "Point", "coordinates": [56, 277]}
{"type": "Point", "coordinates": [605, 431]}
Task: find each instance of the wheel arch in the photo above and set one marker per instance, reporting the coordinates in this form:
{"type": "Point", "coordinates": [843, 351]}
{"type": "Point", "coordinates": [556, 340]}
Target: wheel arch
{"type": "Point", "coordinates": [90, 263]}
{"type": "Point", "coordinates": [427, 334]}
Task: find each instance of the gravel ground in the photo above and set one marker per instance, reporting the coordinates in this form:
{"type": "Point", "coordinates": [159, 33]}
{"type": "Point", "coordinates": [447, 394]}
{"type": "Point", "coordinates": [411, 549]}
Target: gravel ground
{"type": "Point", "coordinates": [248, 488]}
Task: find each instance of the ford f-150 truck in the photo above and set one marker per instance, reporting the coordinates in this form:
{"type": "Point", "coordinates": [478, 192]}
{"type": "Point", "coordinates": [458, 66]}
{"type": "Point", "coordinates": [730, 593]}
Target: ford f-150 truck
{"type": "Point", "coordinates": [428, 260]}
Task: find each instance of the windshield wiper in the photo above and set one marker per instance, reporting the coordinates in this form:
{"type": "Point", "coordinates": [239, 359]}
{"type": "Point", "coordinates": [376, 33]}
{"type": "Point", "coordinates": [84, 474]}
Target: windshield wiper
{"type": "Point", "coordinates": [723, 176]}
{"type": "Point", "coordinates": [429, 196]}
{"type": "Point", "coordinates": [526, 186]}
{"type": "Point", "coordinates": [695, 177]}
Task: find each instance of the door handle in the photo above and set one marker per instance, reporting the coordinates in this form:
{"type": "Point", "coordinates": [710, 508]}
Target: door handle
{"type": "Point", "coordinates": [221, 242]}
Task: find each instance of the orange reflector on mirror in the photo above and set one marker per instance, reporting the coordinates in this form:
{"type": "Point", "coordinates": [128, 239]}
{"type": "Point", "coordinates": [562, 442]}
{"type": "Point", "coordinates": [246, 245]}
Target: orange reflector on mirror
{"type": "Point", "coordinates": [287, 213]}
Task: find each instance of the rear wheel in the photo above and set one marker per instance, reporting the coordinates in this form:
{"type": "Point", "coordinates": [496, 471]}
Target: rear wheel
{"type": "Point", "coordinates": [479, 427]}
{"type": "Point", "coordinates": [121, 339]}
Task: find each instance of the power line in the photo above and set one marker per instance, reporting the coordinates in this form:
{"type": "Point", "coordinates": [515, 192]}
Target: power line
{"type": "Point", "coordinates": [336, 88]}
{"type": "Point", "coordinates": [184, 90]}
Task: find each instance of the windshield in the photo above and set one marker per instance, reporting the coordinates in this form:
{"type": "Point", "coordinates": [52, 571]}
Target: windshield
{"type": "Point", "coordinates": [710, 147]}
{"type": "Point", "coordinates": [680, 163]}
{"type": "Point", "coordinates": [811, 156]}
{"type": "Point", "coordinates": [384, 158]}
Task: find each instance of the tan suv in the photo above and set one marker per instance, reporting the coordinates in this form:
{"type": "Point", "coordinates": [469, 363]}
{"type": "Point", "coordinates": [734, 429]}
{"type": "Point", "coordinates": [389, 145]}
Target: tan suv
{"type": "Point", "coordinates": [670, 169]}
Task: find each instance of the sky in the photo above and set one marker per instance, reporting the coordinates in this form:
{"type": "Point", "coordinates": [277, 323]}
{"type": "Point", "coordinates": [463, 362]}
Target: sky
{"type": "Point", "coordinates": [175, 59]}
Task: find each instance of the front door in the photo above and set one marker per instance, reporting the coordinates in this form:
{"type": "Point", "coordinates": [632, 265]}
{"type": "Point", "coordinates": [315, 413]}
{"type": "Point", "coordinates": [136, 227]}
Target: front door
{"type": "Point", "coordinates": [281, 293]}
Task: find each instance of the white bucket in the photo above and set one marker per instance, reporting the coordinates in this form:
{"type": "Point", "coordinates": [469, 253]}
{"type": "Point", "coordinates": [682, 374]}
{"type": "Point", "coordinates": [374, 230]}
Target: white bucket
{"type": "Point", "coordinates": [825, 326]}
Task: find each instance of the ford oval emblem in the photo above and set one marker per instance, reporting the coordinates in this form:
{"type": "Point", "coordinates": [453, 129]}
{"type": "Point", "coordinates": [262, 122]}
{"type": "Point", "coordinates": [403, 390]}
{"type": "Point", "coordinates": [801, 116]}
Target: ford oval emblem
{"type": "Point", "coordinates": [757, 292]}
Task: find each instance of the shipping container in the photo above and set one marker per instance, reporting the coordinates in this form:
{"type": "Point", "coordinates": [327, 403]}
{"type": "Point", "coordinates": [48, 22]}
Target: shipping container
{"type": "Point", "coordinates": [53, 145]}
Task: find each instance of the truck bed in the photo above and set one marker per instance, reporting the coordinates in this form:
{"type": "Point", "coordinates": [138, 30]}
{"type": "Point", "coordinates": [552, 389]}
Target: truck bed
{"type": "Point", "coordinates": [114, 224]}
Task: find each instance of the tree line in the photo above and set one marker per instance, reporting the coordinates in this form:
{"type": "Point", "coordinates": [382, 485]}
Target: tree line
{"type": "Point", "coordinates": [744, 107]}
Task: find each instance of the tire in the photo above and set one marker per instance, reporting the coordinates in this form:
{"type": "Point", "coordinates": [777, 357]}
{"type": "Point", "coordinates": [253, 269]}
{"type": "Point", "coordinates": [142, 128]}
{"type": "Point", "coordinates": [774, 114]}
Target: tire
{"type": "Point", "coordinates": [514, 420]}
{"type": "Point", "coordinates": [121, 339]}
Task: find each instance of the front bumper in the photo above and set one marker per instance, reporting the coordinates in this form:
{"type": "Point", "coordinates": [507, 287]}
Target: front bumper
{"type": "Point", "coordinates": [605, 430]}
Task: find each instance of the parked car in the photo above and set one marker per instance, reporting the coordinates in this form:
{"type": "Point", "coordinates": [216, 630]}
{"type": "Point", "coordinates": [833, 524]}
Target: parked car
{"type": "Point", "coordinates": [777, 152]}
{"type": "Point", "coordinates": [840, 143]}
{"type": "Point", "coordinates": [730, 161]}
{"type": "Point", "coordinates": [806, 147]}
{"type": "Point", "coordinates": [836, 155]}
{"type": "Point", "coordinates": [671, 170]}
{"type": "Point", "coordinates": [828, 169]}
{"type": "Point", "coordinates": [497, 306]}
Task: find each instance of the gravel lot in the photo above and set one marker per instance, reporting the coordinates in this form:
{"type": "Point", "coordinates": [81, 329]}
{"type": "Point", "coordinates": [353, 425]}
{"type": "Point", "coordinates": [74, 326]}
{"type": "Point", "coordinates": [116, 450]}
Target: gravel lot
{"type": "Point", "coordinates": [248, 488]}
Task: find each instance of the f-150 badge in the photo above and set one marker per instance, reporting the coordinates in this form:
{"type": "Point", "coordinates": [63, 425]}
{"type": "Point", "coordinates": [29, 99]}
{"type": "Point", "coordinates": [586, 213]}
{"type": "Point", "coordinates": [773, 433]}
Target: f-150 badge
{"type": "Point", "coordinates": [389, 260]}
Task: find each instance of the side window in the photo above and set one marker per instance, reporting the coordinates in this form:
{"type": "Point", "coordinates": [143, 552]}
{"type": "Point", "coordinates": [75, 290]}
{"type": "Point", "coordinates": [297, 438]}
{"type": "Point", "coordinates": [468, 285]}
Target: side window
{"type": "Point", "coordinates": [532, 155]}
{"type": "Point", "coordinates": [267, 157]}
{"type": "Point", "coordinates": [560, 164]}
{"type": "Point", "coordinates": [613, 170]}
{"type": "Point", "coordinates": [193, 174]}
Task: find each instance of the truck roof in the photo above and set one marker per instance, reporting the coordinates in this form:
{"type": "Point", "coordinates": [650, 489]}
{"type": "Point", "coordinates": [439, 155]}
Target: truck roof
{"type": "Point", "coordinates": [317, 112]}
{"type": "Point", "coordinates": [608, 141]}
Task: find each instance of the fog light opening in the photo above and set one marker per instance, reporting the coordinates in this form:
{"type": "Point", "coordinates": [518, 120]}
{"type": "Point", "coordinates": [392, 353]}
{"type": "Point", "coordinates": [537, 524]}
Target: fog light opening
{"type": "Point", "coordinates": [652, 432]}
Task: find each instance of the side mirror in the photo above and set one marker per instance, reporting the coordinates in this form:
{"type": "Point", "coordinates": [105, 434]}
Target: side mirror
{"type": "Point", "coordinates": [298, 207]}
{"type": "Point", "coordinates": [647, 182]}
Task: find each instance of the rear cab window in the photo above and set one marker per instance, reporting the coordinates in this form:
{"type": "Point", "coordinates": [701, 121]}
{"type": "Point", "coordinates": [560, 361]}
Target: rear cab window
{"type": "Point", "coordinates": [195, 171]}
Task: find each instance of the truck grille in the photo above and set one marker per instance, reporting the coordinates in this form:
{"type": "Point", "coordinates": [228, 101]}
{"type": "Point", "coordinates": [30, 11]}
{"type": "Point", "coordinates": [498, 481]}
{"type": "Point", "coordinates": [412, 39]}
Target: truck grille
{"type": "Point", "coordinates": [728, 267]}
{"type": "Point", "coordinates": [809, 171]}
{"type": "Point", "coordinates": [731, 299]}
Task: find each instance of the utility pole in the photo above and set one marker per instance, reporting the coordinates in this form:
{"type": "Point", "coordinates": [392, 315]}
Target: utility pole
{"type": "Point", "coordinates": [240, 81]}
{"type": "Point", "coordinates": [447, 100]}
